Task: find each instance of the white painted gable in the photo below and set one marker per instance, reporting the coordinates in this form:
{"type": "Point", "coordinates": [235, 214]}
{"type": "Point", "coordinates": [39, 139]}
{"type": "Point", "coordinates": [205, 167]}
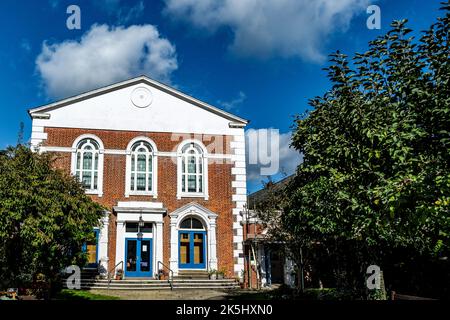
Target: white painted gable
{"type": "Point", "coordinates": [113, 109]}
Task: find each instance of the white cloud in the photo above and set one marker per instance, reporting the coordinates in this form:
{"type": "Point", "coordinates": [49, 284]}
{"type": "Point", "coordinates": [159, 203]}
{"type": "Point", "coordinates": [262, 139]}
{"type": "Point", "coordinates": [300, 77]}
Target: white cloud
{"type": "Point", "coordinates": [288, 158]}
{"type": "Point", "coordinates": [261, 28]}
{"type": "Point", "coordinates": [105, 55]}
{"type": "Point", "coordinates": [234, 103]}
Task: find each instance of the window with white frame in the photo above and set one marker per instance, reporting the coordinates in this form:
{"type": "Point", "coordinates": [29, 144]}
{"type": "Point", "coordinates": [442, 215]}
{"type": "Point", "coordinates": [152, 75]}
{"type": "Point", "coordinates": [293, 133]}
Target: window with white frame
{"type": "Point", "coordinates": [192, 171]}
{"type": "Point", "coordinates": [141, 169]}
{"type": "Point", "coordinates": [87, 163]}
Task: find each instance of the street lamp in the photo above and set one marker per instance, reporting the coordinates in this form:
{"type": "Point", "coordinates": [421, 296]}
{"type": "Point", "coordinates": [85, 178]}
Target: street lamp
{"type": "Point", "coordinates": [140, 225]}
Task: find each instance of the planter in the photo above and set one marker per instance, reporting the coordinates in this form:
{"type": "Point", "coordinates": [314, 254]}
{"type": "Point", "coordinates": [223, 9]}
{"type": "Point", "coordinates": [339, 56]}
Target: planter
{"type": "Point", "coordinates": [220, 276]}
{"type": "Point", "coordinates": [213, 276]}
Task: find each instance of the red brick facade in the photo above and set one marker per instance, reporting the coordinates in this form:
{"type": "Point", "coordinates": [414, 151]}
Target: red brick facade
{"type": "Point", "coordinates": [219, 184]}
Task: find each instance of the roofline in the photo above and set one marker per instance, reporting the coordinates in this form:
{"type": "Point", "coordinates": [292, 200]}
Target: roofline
{"type": "Point", "coordinates": [237, 121]}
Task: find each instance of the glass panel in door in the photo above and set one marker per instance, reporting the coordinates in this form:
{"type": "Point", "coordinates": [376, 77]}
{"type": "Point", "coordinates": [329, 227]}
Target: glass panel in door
{"type": "Point", "coordinates": [131, 255]}
{"type": "Point", "coordinates": [198, 248]}
{"type": "Point", "coordinates": [145, 256]}
{"type": "Point", "coordinates": [185, 252]}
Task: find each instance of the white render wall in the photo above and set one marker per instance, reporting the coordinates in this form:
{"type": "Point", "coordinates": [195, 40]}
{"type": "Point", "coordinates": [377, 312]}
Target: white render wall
{"type": "Point", "coordinates": [115, 111]}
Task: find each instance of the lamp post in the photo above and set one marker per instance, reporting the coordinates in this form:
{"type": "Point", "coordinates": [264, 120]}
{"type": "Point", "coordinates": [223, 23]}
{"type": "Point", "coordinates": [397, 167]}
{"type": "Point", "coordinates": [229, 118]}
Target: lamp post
{"type": "Point", "coordinates": [140, 225]}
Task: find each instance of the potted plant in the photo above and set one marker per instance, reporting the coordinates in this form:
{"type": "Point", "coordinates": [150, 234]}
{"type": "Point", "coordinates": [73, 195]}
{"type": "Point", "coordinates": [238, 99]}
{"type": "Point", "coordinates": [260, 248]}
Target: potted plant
{"type": "Point", "coordinates": [221, 274]}
{"type": "Point", "coordinates": [162, 275]}
{"type": "Point", "coordinates": [213, 274]}
{"type": "Point", "coordinates": [119, 274]}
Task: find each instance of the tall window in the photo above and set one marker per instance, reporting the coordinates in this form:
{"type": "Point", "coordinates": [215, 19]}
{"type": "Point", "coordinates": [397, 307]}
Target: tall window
{"type": "Point", "coordinates": [87, 158]}
{"type": "Point", "coordinates": [141, 167]}
{"type": "Point", "coordinates": [192, 169]}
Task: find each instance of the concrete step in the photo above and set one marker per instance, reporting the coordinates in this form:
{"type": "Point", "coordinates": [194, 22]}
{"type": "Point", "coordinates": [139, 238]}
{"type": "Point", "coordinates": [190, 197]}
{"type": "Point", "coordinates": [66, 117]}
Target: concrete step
{"type": "Point", "coordinates": [192, 274]}
{"type": "Point", "coordinates": [224, 284]}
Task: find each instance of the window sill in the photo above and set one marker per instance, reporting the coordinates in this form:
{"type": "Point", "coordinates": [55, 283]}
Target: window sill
{"type": "Point", "coordinates": [192, 195]}
{"type": "Point", "coordinates": [94, 192]}
{"type": "Point", "coordinates": [140, 193]}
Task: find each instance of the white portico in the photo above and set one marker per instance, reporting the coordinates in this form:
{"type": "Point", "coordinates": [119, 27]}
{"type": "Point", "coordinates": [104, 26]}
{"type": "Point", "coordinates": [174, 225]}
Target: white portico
{"type": "Point", "coordinates": [193, 243]}
{"type": "Point", "coordinates": [139, 245]}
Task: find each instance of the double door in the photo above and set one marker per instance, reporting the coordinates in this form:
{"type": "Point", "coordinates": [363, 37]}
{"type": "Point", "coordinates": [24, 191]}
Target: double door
{"type": "Point", "coordinates": [138, 257]}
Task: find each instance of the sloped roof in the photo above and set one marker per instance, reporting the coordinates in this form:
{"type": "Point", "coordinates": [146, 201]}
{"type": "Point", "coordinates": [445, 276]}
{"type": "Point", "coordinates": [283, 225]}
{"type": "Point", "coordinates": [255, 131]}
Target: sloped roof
{"type": "Point", "coordinates": [141, 79]}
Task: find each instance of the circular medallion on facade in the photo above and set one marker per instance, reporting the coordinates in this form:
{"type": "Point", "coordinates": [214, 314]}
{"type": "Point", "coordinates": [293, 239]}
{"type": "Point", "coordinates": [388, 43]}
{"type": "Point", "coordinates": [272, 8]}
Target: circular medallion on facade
{"type": "Point", "coordinates": [141, 97]}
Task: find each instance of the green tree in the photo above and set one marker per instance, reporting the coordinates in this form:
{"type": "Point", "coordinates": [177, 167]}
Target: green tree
{"type": "Point", "coordinates": [374, 186]}
{"type": "Point", "coordinates": [45, 217]}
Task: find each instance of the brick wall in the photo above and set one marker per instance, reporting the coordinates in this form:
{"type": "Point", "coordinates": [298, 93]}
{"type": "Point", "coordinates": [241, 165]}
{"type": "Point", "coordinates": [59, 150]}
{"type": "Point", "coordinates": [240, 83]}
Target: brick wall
{"type": "Point", "coordinates": [219, 184]}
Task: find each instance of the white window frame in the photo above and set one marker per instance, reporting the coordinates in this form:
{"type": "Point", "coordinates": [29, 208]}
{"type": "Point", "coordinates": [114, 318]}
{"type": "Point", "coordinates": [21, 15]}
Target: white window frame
{"type": "Point", "coordinates": [100, 152]}
{"type": "Point", "coordinates": [153, 153]}
{"type": "Point", "coordinates": [180, 156]}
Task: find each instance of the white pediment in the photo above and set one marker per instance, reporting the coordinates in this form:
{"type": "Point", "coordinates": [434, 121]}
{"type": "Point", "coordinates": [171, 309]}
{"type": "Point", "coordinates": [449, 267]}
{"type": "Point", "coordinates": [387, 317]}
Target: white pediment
{"type": "Point", "coordinates": [139, 104]}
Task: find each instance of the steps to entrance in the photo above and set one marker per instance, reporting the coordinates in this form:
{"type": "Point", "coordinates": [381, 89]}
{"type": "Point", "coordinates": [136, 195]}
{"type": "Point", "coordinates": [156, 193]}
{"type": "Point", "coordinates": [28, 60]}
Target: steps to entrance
{"type": "Point", "coordinates": [138, 284]}
{"type": "Point", "coordinates": [192, 274]}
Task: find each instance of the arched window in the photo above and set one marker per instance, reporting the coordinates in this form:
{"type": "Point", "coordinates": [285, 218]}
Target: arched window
{"type": "Point", "coordinates": [191, 223]}
{"type": "Point", "coordinates": [192, 176]}
{"type": "Point", "coordinates": [87, 163]}
{"type": "Point", "coordinates": [141, 167]}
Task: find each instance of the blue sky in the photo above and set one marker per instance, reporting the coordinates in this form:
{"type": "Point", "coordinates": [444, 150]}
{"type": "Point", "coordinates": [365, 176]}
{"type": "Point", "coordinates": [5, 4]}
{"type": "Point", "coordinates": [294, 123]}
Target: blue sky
{"type": "Point", "coordinates": [261, 60]}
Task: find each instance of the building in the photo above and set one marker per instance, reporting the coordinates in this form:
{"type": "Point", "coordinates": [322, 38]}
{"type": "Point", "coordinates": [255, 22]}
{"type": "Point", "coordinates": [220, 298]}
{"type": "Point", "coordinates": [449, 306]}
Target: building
{"type": "Point", "coordinates": [266, 261]}
{"type": "Point", "coordinates": [169, 168]}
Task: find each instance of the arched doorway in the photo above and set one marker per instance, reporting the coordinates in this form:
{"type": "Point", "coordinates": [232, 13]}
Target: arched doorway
{"type": "Point", "coordinates": [192, 244]}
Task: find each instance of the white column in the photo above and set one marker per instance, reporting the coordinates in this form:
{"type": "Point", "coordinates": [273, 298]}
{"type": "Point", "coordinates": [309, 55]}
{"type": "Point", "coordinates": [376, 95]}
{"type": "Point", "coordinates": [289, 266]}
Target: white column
{"type": "Point", "coordinates": [174, 245]}
{"type": "Point", "coordinates": [120, 241]}
{"type": "Point", "coordinates": [158, 238]}
{"type": "Point", "coordinates": [212, 244]}
{"type": "Point", "coordinates": [103, 245]}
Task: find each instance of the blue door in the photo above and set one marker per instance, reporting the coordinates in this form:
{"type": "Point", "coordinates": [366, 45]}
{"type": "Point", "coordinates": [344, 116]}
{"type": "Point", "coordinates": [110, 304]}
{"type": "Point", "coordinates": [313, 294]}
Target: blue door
{"type": "Point", "coordinates": [192, 249]}
{"type": "Point", "coordinates": [138, 257]}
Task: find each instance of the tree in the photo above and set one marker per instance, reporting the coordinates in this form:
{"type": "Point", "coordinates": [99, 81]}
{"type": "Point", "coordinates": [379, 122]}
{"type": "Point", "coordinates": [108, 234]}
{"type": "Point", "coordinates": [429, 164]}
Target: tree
{"type": "Point", "coordinates": [374, 186]}
{"type": "Point", "coordinates": [45, 217]}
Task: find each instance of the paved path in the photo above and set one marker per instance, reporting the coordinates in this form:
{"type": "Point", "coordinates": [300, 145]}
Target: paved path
{"type": "Point", "coordinates": [164, 294]}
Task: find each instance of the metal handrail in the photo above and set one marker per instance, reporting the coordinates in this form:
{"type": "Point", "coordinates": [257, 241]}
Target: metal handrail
{"type": "Point", "coordinates": [112, 269]}
{"type": "Point", "coordinates": [170, 280]}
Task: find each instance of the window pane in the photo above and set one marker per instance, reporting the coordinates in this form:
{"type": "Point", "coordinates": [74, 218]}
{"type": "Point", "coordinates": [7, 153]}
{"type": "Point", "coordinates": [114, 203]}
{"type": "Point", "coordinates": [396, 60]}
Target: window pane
{"type": "Point", "coordinates": [131, 227]}
{"type": "Point", "coordinates": [183, 165]}
{"type": "Point", "coordinates": [192, 186]}
{"type": "Point", "coordinates": [185, 224]}
{"type": "Point", "coordinates": [191, 165]}
{"type": "Point", "coordinates": [150, 169]}
{"type": "Point", "coordinates": [200, 183]}
{"type": "Point", "coordinates": [183, 183]}
{"type": "Point", "coordinates": [132, 182]}
{"type": "Point", "coordinates": [196, 224]}
{"type": "Point", "coordinates": [78, 160]}
{"type": "Point", "coordinates": [132, 162]}
{"type": "Point", "coordinates": [86, 180]}
{"type": "Point", "coordinates": [140, 186]}
{"type": "Point", "coordinates": [141, 163]}
{"type": "Point", "coordinates": [95, 180]}
{"type": "Point", "coordinates": [200, 165]}
{"type": "Point", "coordinates": [87, 160]}
{"type": "Point", "coordinates": [147, 227]}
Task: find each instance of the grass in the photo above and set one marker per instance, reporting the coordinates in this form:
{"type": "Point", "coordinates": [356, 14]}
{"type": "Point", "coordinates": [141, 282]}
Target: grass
{"type": "Point", "coordinates": [67, 294]}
